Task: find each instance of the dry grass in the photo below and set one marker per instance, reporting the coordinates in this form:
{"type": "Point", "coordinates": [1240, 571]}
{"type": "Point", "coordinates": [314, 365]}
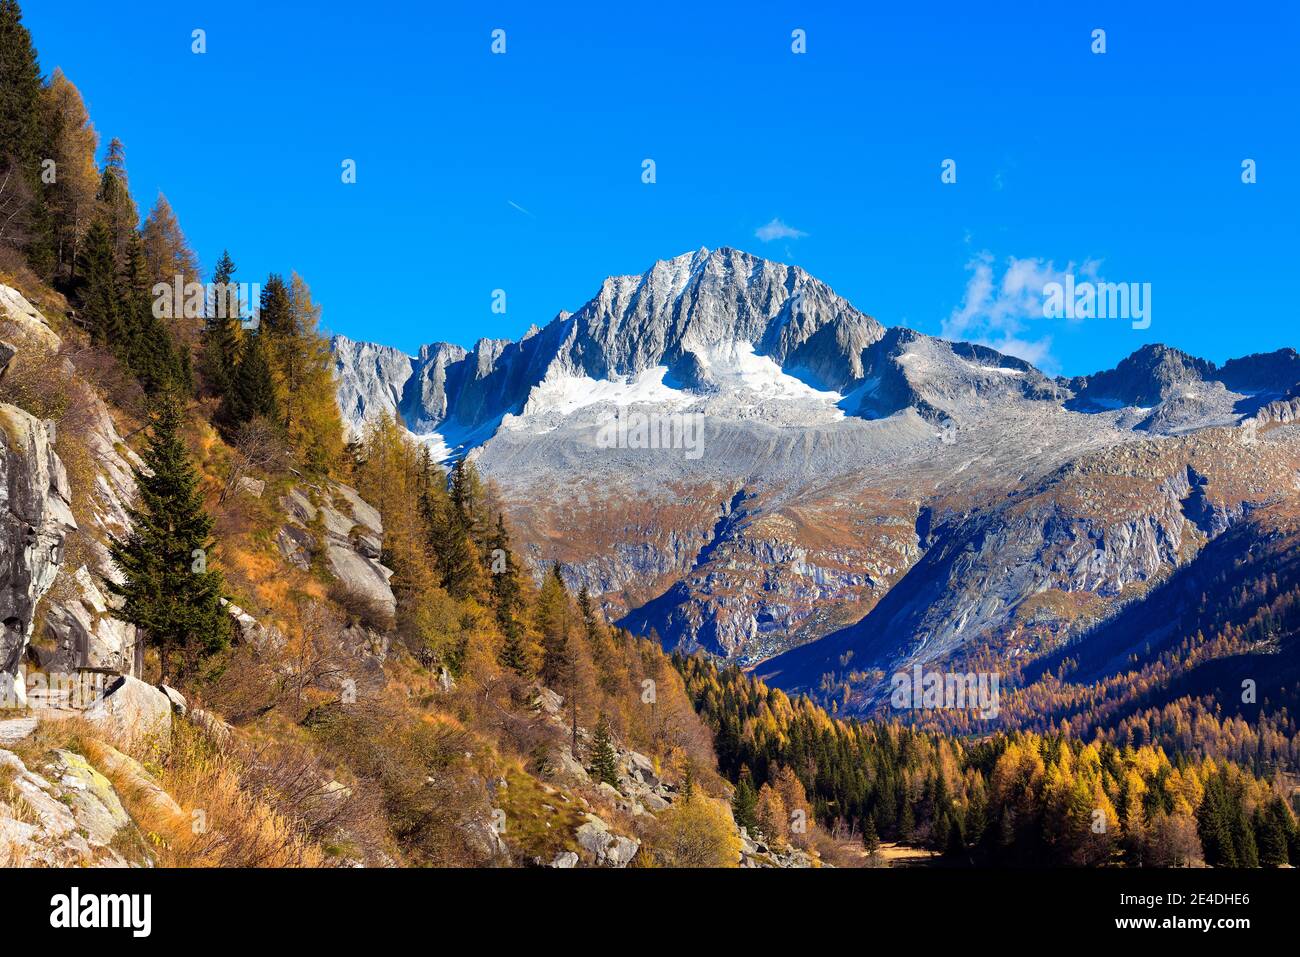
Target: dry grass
{"type": "Point", "coordinates": [222, 824]}
{"type": "Point", "coordinates": [538, 822]}
{"type": "Point", "coordinates": [197, 806]}
{"type": "Point", "coordinates": [65, 734]}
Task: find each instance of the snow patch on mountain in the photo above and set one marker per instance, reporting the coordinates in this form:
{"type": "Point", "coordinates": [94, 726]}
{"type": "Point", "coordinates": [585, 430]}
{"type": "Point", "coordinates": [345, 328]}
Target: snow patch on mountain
{"type": "Point", "coordinates": [736, 367]}
{"type": "Point", "coordinates": [566, 393]}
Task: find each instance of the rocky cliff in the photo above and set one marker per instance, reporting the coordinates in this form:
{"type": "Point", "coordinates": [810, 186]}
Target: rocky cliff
{"type": "Point", "coordinates": [35, 520]}
{"type": "Point", "coordinates": [73, 627]}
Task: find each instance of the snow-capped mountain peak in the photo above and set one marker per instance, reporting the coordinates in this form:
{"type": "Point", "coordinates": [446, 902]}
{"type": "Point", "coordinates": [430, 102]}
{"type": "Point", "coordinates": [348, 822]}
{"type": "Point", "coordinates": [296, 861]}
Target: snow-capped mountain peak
{"type": "Point", "coordinates": [758, 340]}
{"type": "Point", "coordinates": [708, 320]}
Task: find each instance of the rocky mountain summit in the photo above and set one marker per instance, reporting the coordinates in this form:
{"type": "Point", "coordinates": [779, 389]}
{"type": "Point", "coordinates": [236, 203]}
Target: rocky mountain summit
{"type": "Point", "coordinates": [841, 462]}
{"type": "Point", "coordinates": [662, 327]}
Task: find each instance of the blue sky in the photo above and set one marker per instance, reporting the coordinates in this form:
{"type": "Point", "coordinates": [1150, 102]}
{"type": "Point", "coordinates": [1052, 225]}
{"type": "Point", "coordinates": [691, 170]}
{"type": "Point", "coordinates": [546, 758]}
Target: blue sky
{"type": "Point", "coordinates": [1127, 164]}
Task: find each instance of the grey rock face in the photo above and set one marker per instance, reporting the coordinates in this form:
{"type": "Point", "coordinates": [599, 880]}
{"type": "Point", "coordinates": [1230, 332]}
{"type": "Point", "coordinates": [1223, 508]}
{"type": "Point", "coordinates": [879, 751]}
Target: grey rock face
{"type": "Point", "coordinates": [251, 631]}
{"type": "Point", "coordinates": [1176, 392]}
{"type": "Point", "coordinates": [78, 628]}
{"type": "Point", "coordinates": [66, 815]}
{"type": "Point", "coordinates": [334, 520]}
{"type": "Point", "coordinates": [705, 299]}
{"type": "Point", "coordinates": [668, 316]}
{"type": "Point", "coordinates": [605, 847]}
{"type": "Point", "coordinates": [25, 320]}
{"type": "Point", "coordinates": [131, 709]}
{"type": "Point", "coordinates": [34, 520]}
{"type": "Point", "coordinates": [1145, 378]}
{"type": "Point", "coordinates": [371, 378]}
{"type": "Point", "coordinates": [941, 379]}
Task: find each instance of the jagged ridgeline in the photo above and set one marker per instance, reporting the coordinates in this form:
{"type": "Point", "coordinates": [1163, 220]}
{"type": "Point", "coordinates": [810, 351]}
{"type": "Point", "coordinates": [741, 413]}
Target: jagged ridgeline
{"type": "Point", "coordinates": [274, 600]}
{"type": "Point", "coordinates": [865, 500]}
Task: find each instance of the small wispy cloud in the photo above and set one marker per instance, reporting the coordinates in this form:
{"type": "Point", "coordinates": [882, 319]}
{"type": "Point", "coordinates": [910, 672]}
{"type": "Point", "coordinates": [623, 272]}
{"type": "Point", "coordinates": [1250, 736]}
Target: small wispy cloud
{"type": "Point", "coordinates": [778, 230]}
{"type": "Point", "coordinates": [518, 207]}
{"type": "Point", "coordinates": [996, 312]}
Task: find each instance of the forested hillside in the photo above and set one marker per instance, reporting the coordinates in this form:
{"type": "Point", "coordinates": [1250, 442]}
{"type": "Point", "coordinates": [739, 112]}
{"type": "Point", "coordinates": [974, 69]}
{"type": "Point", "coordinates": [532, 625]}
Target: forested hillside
{"type": "Point", "coordinates": [1019, 798]}
{"type": "Point", "coordinates": [370, 676]}
{"type": "Point", "coordinates": [346, 659]}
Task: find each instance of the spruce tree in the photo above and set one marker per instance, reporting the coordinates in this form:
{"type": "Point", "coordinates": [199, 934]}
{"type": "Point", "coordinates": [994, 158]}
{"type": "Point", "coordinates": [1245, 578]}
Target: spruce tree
{"type": "Point", "coordinates": [506, 590]}
{"type": "Point", "coordinates": [906, 818]}
{"type": "Point", "coordinates": [276, 315]}
{"type": "Point", "coordinates": [169, 590]}
{"type": "Point", "coordinates": [101, 298]}
{"type": "Point", "coordinates": [459, 571]}
{"type": "Point", "coordinates": [150, 351]}
{"type": "Point", "coordinates": [1270, 837]}
{"type": "Point", "coordinates": [688, 782]}
{"type": "Point", "coordinates": [24, 218]}
{"type": "Point", "coordinates": [604, 764]}
{"type": "Point", "coordinates": [870, 839]}
{"type": "Point", "coordinates": [587, 613]}
{"type": "Point", "coordinates": [466, 490]}
{"type": "Point", "coordinates": [744, 803]}
{"type": "Point", "coordinates": [553, 621]}
{"type": "Point", "coordinates": [116, 205]}
{"type": "Point", "coordinates": [507, 599]}
{"type": "Point", "coordinates": [513, 655]}
{"type": "Point", "coordinates": [221, 331]}
{"type": "Point", "coordinates": [20, 92]}
{"type": "Point", "coordinates": [251, 393]}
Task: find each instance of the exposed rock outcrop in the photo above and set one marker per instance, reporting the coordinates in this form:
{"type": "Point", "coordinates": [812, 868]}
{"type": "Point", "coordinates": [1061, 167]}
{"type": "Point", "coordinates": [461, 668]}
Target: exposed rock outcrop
{"type": "Point", "coordinates": [76, 627]}
{"type": "Point", "coordinates": [606, 848]}
{"type": "Point", "coordinates": [331, 522]}
{"type": "Point", "coordinates": [68, 814]}
{"type": "Point", "coordinates": [24, 320]}
{"type": "Point", "coordinates": [35, 518]}
{"type": "Point", "coordinates": [250, 631]}
{"type": "Point", "coordinates": [79, 630]}
{"type": "Point", "coordinates": [131, 710]}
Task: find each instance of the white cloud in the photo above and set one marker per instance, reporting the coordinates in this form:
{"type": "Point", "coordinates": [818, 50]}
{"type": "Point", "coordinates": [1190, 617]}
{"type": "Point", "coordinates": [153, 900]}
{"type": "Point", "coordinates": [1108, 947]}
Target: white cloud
{"type": "Point", "coordinates": [996, 312]}
{"type": "Point", "coordinates": [778, 230]}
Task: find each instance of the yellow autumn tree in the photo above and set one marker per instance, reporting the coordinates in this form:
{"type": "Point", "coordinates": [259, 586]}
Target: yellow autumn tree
{"type": "Point", "coordinates": [772, 822]}
{"type": "Point", "coordinates": [70, 145]}
{"type": "Point", "coordinates": [695, 833]}
{"type": "Point", "coordinates": [304, 383]}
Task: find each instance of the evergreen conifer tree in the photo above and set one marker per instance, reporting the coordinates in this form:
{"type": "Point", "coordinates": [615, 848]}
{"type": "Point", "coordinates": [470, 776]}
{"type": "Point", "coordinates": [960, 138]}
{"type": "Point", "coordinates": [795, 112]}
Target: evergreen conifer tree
{"type": "Point", "coordinates": [604, 764]}
{"type": "Point", "coordinates": [153, 354]}
{"type": "Point", "coordinates": [220, 356]}
{"type": "Point", "coordinates": [251, 393]}
{"type": "Point", "coordinates": [169, 590]}
{"type": "Point", "coordinates": [744, 803]}
{"type": "Point", "coordinates": [870, 839]}
{"type": "Point", "coordinates": [507, 599]}
{"type": "Point", "coordinates": [460, 573]}
{"type": "Point", "coordinates": [553, 621]}
{"type": "Point", "coordinates": [20, 90]}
